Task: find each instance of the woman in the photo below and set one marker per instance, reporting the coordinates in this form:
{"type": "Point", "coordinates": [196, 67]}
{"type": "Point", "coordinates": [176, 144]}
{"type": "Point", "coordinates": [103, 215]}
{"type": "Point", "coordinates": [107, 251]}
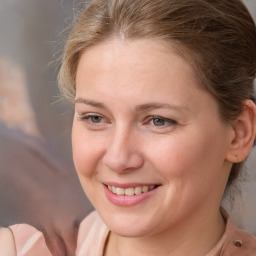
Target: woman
{"type": "Point", "coordinates": [164, 118]}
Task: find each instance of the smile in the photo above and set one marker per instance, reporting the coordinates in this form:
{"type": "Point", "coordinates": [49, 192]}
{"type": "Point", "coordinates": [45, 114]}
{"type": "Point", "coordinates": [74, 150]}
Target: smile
{"type": "Point", "coordinates": [131, 191]}
{"type": "Point", "coordinates": [129, 195]}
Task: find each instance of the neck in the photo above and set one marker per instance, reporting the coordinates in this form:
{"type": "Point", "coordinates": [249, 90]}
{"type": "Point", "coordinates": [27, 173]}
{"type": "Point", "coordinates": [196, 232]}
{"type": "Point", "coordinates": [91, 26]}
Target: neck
{"type": "Point", "coordinates": [191, 237]}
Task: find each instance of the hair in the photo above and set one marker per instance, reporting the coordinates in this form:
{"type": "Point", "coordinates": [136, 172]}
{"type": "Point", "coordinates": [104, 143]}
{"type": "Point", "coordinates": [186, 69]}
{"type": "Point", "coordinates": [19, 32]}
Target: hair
{"type": "Point", "coordinates": [217, 37]}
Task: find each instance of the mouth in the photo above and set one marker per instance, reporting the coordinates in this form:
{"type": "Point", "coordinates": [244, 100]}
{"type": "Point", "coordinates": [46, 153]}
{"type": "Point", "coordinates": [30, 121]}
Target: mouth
{"type": "Point", "coordinates": [131, 191]}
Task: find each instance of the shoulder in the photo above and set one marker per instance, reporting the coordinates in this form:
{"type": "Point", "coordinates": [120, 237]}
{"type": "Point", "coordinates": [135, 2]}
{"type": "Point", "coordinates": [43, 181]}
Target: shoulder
{"type": "Point", "coordinates": [92, 231]}
{"type": "Point", "coordinates": [7, 245]}
{"type": "Point", "coordinates": [240, 242]}
{"type": "Point", "coordinates": [237, 241]}
{"type": "Point", "coordinates": [26, 236]}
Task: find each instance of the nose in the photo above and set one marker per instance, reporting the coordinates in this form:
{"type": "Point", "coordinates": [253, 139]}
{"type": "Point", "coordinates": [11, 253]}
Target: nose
{"type": "Point", "coordinates": [122, 154]}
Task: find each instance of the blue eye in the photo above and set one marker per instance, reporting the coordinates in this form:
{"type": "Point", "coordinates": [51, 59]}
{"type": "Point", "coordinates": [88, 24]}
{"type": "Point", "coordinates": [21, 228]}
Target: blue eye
{"type": "Point", "coordinates": [93, 118]}
{"type": "Point", "coordinates": [160, 121]}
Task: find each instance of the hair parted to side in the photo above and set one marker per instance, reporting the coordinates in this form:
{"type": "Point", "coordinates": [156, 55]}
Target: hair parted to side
{"type": "Point", "coordinates": [217, 37]}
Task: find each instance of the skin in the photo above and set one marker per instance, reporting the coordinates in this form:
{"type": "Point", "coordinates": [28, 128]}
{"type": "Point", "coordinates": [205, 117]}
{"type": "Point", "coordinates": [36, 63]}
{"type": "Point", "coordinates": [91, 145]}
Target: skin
{"type": "Point", "coordinates": [117, 138]}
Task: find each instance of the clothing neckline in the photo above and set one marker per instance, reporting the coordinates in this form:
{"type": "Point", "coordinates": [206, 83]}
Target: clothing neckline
{"type": "Point", "coordinates": [213, 252]}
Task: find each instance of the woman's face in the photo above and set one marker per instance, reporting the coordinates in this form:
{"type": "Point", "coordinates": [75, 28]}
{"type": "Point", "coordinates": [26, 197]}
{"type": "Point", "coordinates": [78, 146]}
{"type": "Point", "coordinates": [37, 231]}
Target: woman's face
{"type": "Point", "coordinates": [144, 128]}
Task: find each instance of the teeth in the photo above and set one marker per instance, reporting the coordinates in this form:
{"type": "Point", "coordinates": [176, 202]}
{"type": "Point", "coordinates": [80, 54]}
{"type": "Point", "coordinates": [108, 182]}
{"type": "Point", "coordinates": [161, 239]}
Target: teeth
{"type": "Point", "coordinates": [120, 191]}
{"type": "Point", "coordinates": [145, 189]}
{"type": "Point", "coordinates": [151, 187]}
{"type": "Point", "coordinates": [131, 191]}
{"type": "Point", "coordinates": [138, 190]}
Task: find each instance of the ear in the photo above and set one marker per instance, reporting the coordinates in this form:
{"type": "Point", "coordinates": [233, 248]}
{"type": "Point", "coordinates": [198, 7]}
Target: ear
{"type": "Point", "coordinates": [244, 132]}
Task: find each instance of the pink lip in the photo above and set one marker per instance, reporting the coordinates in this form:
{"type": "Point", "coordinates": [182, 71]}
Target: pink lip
{"type": "Point", "coordinates": [128, 185]}
{"type": "Point", "coordinates": [126, 201]}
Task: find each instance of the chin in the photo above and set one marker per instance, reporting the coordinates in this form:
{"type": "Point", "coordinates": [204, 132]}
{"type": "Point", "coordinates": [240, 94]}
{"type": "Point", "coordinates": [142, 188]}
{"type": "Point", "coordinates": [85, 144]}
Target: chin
{"type": "Point", "coordinates": [128, 225]}
{"type": "Point", "coordinates": [130, 231]}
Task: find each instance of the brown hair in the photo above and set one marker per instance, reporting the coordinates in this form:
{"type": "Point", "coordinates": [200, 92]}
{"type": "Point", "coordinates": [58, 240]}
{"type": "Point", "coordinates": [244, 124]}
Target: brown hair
{"type": "Point", "coordinates": [217, 37]}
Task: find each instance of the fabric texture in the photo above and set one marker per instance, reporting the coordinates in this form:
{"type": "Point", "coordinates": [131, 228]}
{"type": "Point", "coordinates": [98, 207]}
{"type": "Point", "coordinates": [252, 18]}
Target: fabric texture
{"type": "Point", "coordinates": [29, 241]}
{"type": "Point", "coordinates": [93, 234]}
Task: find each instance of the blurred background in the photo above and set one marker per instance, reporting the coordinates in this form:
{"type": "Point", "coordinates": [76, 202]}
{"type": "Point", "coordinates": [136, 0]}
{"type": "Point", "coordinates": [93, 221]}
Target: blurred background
{"type": "Point", "coordinates": [38, 183]}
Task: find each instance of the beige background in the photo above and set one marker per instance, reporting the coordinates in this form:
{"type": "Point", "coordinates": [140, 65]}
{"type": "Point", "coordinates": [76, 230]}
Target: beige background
{"type": "Point", "coordinates": [30, 39]}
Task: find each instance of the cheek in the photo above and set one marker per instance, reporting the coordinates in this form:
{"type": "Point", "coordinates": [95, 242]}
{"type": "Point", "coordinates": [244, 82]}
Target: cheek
{"type": "Point", "coordinates": [197, 156]}
{"type": "Point", "coordinates": [191, 168]}
{"type": "Point", "coordinates": [87, 152]}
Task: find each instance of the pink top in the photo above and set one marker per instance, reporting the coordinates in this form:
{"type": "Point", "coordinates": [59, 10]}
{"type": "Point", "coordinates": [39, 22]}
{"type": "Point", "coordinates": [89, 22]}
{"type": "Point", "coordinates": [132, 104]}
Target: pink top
{"type": "Point", "coordinates": [29, 241]}
{"type": "Point", "coordinates": [93, 234]}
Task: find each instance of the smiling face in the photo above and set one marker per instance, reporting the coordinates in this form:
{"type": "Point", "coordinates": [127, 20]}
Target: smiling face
{"type": "Point", "coordinates": [148, 143]}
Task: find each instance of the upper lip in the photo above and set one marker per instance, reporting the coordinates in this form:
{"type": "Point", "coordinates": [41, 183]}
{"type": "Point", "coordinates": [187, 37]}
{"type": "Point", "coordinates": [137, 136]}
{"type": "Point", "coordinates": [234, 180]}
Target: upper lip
{"type": "Point", "coordinates": [129, 185]}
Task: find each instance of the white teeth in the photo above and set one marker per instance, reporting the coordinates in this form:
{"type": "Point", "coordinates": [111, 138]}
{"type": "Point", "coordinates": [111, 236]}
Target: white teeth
{"type": "Point", "coordinates": [138, 190]}
{"type": "Point", "coordinates": [119, 191]}
{"type": "Point", "coordinates": [131, 191]}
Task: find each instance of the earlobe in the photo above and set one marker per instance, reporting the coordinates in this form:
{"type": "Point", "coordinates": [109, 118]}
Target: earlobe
{"type": "Point", "coordinates": [244, 132]}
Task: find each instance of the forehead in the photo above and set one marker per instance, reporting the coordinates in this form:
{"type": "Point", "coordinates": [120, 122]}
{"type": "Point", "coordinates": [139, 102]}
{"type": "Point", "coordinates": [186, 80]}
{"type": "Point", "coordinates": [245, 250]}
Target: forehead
{"type": "Point", "coordinates": [137, 72]}
{"type": "Point", "coordinates": [133, 58]}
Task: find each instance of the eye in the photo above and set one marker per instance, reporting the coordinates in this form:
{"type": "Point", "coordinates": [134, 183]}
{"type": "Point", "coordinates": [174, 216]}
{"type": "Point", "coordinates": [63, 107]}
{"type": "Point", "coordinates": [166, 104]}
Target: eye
{"type": "Point", "coordinates": [158, 121]}
{"type": "Point", "coordinates": [161, 121]}
{"type": "Point", "coordinates": [93, 118]}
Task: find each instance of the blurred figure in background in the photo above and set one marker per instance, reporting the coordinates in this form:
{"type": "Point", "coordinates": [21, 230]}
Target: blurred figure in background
{"type": "Point", "coordinates": [36, 170]}
{"type": "Point", "coordinates": [34, 134]}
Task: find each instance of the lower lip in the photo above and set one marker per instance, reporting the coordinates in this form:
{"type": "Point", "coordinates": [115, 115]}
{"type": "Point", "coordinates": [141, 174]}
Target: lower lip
{"type": "Point", "coordinates": [123, 200]}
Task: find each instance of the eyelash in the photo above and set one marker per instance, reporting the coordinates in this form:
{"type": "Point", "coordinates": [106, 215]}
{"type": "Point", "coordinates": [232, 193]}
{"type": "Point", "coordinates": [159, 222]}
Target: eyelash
{"type": "Point", "coordinates": [88, 118]}
{"type": "Point", "coordinates": [167, 121]}
{"type": "Point", "coordinates": [149, 120]}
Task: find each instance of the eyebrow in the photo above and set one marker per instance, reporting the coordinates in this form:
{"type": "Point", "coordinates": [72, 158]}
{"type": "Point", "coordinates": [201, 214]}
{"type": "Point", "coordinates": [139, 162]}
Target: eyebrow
{"type": "Point", "coordinates": [152, 106]}
{"type": "Point", "coordinates": [140, 108]}
{"type": "Point", "coordinates": [90, 102]}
